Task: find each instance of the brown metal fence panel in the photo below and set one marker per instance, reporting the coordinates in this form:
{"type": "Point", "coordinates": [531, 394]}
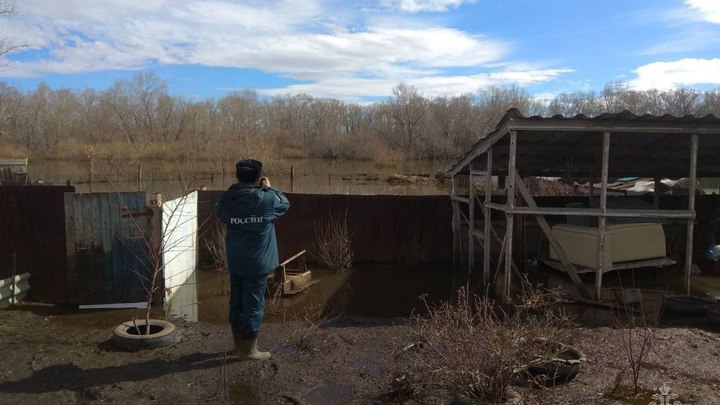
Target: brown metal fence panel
{"type": "Point", "coordinates": [400, 229]}
{"type": "Point", "coordinates": [107, 247]}
{"type": "Point", "coordinates": [32, 226]}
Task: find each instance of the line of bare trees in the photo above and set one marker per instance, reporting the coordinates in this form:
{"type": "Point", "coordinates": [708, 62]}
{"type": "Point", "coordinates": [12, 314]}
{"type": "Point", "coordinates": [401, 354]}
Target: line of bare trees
{"type": "Point", "coordinates": [137, 119]}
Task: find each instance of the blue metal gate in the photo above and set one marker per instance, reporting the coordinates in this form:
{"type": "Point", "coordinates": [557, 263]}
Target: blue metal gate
{"type": "Point", "coordinates": [108, 240]}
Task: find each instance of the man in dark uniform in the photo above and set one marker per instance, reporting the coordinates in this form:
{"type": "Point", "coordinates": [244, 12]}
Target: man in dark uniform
{"type": "Point", "coordinates": [249, 209]}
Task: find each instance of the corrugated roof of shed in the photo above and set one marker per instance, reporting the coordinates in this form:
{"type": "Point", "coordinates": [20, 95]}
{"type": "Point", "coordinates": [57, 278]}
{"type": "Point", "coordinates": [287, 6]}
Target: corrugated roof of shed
{"type": "Point", "coordinates": [641, 145]}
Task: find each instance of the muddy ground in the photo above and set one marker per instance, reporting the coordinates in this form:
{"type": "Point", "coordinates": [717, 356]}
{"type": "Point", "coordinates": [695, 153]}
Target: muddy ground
{"type": "Point", "coordinates": [54, 356]}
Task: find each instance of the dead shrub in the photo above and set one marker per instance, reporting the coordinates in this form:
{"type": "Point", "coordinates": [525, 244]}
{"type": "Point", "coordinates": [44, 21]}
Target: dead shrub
{"type": "Point", "coordinates": [637, 344]}
{"type": "Point", "coordinates": [476, 349]}
{"type": "Point", "coordinates": [333, 243]}
{"type": "Point", "coordinates": [305, 338]}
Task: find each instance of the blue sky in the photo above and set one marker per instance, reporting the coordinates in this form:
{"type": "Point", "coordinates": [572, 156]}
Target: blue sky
{"type": "Point", "coordinates": [357, 51]}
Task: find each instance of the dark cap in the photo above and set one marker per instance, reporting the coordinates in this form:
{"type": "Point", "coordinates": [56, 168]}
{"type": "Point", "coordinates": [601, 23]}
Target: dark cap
{"type": "Point", "coordinates": [248, 169]}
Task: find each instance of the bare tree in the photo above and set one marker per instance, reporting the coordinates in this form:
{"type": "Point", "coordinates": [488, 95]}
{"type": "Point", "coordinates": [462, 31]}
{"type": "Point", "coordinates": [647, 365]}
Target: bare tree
{"type": "Point", "coordinates": [8, 44]}
{"type": "Point", "coordinates": [493, 102]}
{"type": "Point", "coordinates": [681, 102]}
{"type": "Point", "coordinates": [10, 106]}
{"type": "Point", "coordinates": [408, 110]}
{"type": "Point", "coordinates": [710, 103]}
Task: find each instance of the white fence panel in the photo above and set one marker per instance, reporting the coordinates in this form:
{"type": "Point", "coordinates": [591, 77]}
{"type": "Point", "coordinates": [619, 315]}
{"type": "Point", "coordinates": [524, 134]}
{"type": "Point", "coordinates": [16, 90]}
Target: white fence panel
{"type": "Point", "coordinates": [179, 248]}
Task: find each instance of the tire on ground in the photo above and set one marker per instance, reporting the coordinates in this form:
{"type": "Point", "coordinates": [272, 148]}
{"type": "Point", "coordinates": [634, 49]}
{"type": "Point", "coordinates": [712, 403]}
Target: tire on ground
{"type": "Point", "coordinates": [126, 336]}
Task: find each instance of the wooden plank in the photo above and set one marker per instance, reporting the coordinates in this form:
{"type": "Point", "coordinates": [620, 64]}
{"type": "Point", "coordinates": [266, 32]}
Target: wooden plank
{"type": "Point", "coordinates": [295, 256]}
{"type": "Point", "coordinates": [635, 264]}
{"type": "Point", "coordinates": [472, 191]}
{"type": "Point", "coordinates": [478, 234]}
{"type": "Point", "coordinates": [515, 268]}
{"type": "Point", "coordinates": [457, 237]}
{"type": "Point", "coordinates": [511, 180]}
{"type": "Point", "coordinates": [496, 206]}
{"type": "Point", "coordinates": [594, 212]}
{"type": "Point", "coordinates": [461, 199]}
{"type": "Point", "coordinates": [488, 218]}
{"type": "Point", "coordinates": [300, 282]}
{"type": "Point", "coordinates": [572, 272]}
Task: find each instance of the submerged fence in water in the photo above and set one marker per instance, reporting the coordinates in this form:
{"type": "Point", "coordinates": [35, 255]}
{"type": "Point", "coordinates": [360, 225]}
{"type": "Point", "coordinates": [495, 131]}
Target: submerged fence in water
{"type": "Point", "coordinates": [72, 244]}
{"type": "Point", "coordinates": [383, 228]}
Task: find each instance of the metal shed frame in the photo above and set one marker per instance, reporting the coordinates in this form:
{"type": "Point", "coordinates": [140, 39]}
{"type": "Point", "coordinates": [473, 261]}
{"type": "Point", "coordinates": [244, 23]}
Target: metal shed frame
{"type": "Point", "coordinates": [576, 147]}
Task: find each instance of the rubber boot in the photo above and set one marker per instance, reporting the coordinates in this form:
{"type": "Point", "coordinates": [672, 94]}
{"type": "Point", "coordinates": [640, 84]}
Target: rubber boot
{"type": "Point", "coordinates": [247, 349]}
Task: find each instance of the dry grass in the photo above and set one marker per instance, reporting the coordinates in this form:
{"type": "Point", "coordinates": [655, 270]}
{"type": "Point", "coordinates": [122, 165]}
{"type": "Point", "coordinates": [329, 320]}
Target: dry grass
{"type": "Point", "coordinates": [333, 243]}
{"type": "Point", "coordinates": [13, 151]}
{"type": "Point", "coordinates": [476, 349]}
{"type": "Point", "coordinates": [292, 153]}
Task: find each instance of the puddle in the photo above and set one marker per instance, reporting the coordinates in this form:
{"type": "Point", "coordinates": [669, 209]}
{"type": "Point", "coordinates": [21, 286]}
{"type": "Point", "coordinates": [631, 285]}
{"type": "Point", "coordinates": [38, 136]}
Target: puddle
{"type": "Point", "coordinates": [393, 291]}
{"type": "Point", "coordinates": [381, 291]}
{"type": "Point", "coordinates": [653, 283]}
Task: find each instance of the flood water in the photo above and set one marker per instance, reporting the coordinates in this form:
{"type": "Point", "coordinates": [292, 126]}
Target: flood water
{"type": "Point", "coordinates": [397, 291]}
{"type": "Point", "coordinates": [381, 291]}
{"type": "Point", "coordinates": [386, 290]}
{"type": "Point", "coordinates": [653, 283]}
{"type": "Point", "coordinates": [310, 176]}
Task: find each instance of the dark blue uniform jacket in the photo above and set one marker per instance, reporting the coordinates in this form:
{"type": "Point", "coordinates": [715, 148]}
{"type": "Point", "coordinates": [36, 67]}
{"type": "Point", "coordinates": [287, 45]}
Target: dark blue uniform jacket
{"type": "Point", "coordinates": [249, 212]}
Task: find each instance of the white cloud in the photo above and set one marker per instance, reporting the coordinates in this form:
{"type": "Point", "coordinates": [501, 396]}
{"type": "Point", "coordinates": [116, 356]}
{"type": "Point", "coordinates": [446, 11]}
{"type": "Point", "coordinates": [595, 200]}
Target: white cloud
{"type": "Point", "coordinates": [709, 9]}
{"type": "Point", "coordinates": [299, 39]}
{"type": "Point", "coordinates": [690, 40]}
{"type": "Point", "coordinates": [227, 34]}
{"type": "Point", "coordinates": [670, 75]}
{"type": "Point", "coordinates": [417, 6]}
{"type": "Point", "coordinates": [353, 88]}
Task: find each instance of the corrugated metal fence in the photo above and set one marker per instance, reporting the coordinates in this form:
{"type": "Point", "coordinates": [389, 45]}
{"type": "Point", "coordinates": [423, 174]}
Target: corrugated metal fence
{"type": "Point", "coordinates": [385, 228]}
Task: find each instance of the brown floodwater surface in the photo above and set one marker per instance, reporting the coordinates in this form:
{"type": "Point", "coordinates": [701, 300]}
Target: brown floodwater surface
{"type": "Point", "coordinates": [311, 176]}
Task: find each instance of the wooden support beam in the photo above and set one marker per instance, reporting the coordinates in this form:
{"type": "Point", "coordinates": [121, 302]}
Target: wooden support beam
{"type": "Point", "coordinates": [457, 237]}
{"type": "Point", "coordinates": [457, 198]}
{"type": "Point", "coordinates": [295, 256]}
{"type": "Point", "coordinates": [691, 207]}
{"type": "Point", "coordinates": [512, 176]}
{"type": "Point", "coordinates": [600, 263]}
{"type": "Point", "coordinates": [595, 212]}
{"type": "Point", "coordinates": [572, 272]}
{"type": "Point", "coordinates": [471, 226]}
{"type": "Point", "coordinates": [488, 217]}
{"type": "Point", "coordinates": [515, 268]}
